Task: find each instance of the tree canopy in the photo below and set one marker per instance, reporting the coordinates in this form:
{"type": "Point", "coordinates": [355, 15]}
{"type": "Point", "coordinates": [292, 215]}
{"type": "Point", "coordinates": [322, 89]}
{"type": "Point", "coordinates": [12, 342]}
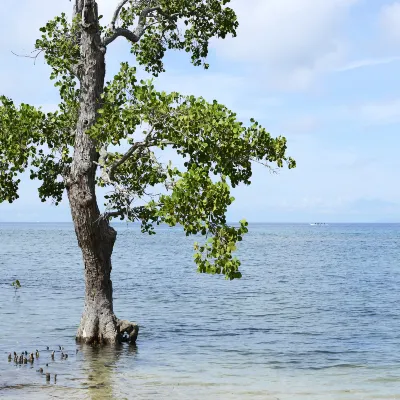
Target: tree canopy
{"type": "Point", "coordinates": [218, 150]}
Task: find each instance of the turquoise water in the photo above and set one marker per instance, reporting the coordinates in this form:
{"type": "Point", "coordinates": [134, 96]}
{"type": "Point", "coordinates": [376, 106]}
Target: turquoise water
{"type": "Point", "coordinates": [316, 316]}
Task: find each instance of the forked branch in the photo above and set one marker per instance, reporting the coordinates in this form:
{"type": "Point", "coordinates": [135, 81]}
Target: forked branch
{"type": "Point", "coordinates": [129, 153]}
{"type": "Point", "coordinates": [133, 36]}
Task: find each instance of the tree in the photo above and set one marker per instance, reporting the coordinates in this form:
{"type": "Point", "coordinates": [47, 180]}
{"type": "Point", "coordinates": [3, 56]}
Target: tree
{"type": "Point", "coordinates": [70, 149]}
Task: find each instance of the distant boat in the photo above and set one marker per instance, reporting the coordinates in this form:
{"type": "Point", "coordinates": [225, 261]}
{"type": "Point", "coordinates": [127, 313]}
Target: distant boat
{"type": "Point", "coordinates": [318, 224]}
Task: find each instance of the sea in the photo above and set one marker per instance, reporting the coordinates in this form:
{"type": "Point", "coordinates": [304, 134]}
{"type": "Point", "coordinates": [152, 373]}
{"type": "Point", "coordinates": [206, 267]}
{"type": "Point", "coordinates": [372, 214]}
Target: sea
{"type": "Point", "coordinates": [315, 316]}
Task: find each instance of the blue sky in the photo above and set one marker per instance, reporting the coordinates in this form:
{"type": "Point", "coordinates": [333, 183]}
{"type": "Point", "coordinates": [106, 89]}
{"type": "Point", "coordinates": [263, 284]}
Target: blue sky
{"type": "Point", "coordinates": [323, 73]}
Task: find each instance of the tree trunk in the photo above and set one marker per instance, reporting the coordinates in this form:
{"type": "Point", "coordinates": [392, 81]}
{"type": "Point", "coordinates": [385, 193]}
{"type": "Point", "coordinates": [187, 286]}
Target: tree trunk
{"type": "Point", "coordinates": [95, 236]}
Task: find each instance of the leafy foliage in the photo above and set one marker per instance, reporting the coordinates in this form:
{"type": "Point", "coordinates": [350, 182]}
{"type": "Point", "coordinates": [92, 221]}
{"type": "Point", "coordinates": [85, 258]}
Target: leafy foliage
{"type": "Point", "coordinates": [25, 133]}
{"type": "Point", "coordinates": [60, 44]}
{"type": "Point", "coordinates": [18, 138]}
{"type": "Point", "coordinates": [213, 143]}
{"type": "Point", "coordinates": [217, 149]}
{"type": "Point", "coordinates": [180, 24]}
{"type": "Point", "coordinates": [30, 137]}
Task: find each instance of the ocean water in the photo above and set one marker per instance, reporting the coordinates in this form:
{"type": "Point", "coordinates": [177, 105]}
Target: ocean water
{"type": "Point", "coordinates": [316, 316]}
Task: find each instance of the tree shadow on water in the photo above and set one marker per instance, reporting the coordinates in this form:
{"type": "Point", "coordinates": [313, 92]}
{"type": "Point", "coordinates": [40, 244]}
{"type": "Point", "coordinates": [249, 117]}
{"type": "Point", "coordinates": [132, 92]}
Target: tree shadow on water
{"type": "Point", "coordinates": [101, 366]}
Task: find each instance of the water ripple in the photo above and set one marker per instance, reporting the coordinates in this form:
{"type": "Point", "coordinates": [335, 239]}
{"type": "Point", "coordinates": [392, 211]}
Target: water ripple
{"type": "Point", "coordinates": [315, 316]}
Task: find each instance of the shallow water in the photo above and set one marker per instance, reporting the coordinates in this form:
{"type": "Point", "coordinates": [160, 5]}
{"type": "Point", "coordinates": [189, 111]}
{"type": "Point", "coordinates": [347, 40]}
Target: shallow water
{"type": "Point", "coordinates": [316, 316]}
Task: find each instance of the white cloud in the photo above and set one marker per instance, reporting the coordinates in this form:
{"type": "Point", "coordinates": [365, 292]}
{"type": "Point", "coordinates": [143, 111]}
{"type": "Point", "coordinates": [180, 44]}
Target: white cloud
{"type": "Point", "coordinates": [390, 21]}
{"type": "Point", "coordinates": [380, 113]}
{"type": "Point", "coordinates": [291, 41]}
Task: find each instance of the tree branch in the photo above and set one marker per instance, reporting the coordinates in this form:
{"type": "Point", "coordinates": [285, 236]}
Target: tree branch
{"type": "Point", "coordinates": [119, 162]}
{"type": "Point", "coordinates": [142, 19]}
{"type": "Point", "coordinates": [117, 32]}
{"type": "Point", "coordinates": [113, 214]}
{"type": "Point", "coordinates": [29, 56]}
{"type": "Point", "coordinates": [128, 154]}
{"type": "Point", "coordinates": [134, 211]}
{"type": "Point", "coordinates": [132, 36]}
{"type": "Point", "coordinates": [116, 13]}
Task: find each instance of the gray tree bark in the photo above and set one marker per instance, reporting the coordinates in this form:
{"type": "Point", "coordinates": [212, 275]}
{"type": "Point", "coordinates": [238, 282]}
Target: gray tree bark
{"type": "Point", "coordinates": [95, 236]}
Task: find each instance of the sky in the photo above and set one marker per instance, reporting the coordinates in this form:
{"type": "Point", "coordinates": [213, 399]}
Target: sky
{"type": "Point", "coordinates": [322, 73]}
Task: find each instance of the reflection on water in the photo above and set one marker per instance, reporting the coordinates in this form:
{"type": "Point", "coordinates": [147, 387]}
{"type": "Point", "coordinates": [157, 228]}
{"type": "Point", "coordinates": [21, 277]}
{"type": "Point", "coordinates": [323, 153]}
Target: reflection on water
{"type": "Point", "coordinates": [100, 366]}
{"type": "Point", "coordinates": [89, 373]}
{"type": "Point", "coordinates": [315, 317]}
{"type": "Point", "coordinates": [98, 374]}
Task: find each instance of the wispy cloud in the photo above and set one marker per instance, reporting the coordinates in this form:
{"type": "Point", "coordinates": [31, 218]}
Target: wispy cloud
{"type": "Point", "coordinates": [369, 62]}
{"type": "Point", "coordinates": [380, 113]}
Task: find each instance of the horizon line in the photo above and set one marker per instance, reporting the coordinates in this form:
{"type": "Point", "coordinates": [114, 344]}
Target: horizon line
{"type": "Point", "coordinates": [229, 222]}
